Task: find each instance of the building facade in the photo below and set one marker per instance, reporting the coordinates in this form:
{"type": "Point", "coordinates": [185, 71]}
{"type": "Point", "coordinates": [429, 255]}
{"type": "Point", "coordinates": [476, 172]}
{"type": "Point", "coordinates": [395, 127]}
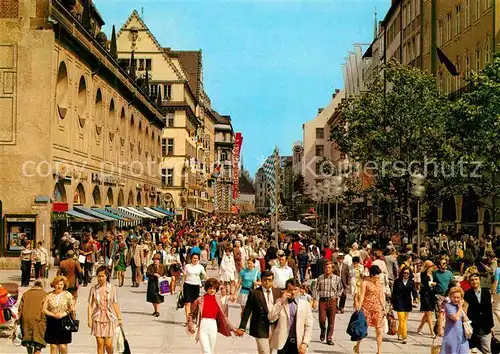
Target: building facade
{"type": "Point", "coordinates": [76, 128]}
{"type": "Point", "coordinates": [224, 174]}
{"type": "Point", "coordinates": [261, 197]}
{"type": "Point", "coordinates": [318, 151]}
{"type": "Point", "coordinates": [175, 80]}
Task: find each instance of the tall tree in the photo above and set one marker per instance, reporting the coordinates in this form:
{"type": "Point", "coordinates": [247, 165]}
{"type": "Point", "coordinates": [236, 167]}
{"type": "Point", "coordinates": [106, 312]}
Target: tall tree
{"type": "Point", "coordinates": [394, 130]}
{"type": "Point", "coordinates": [112, 47]}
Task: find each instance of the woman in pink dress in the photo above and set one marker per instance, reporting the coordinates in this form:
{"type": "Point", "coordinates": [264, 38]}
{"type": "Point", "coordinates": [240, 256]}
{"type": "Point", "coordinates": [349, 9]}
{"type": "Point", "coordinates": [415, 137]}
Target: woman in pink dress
{"type": "Point", "coordinates": [372, 302]}
{"type": "Point", "coordinates": [103, 311]}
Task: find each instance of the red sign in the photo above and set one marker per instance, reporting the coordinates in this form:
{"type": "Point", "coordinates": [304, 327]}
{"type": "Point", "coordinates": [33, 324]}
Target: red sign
{"type": "Point", "coordinates": [59, 207]}
{"type": "Point", "coordinates": [238, 141]}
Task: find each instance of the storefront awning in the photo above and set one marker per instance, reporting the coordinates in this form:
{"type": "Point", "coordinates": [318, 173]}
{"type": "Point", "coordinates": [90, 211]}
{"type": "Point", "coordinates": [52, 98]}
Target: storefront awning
{"type": "Point", "coordinates": [145, 215]}
{"type": "Point", "coordinates": [161, 210]}
{"type": "Point", "coordinates": [122, 214]}
{"type": "Point", "coordinates": [154, 212]}
{"type": "Point", "coordinates": [194, 210]}
{"type": "Point", "coordinates": [107, 213]}
{"type": "Point", "coordinates": [80, 216]}
{"type": "Point", "coordinates": [93, 213]}
{"type": "Point", "coordinates": [134, 213]}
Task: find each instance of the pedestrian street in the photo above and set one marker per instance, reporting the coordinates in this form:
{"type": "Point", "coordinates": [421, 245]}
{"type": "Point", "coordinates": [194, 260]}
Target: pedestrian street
{"type": "Point", "coordinates": [166, 334]}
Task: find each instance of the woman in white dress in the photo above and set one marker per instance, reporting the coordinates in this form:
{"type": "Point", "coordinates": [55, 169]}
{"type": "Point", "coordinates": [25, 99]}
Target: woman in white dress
{"type": "Point", "coordinates": [228, 270]}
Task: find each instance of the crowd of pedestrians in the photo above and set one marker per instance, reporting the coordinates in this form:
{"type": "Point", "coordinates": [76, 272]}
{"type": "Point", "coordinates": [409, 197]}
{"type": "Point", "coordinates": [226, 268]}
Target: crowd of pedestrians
{"type": "Point", "coordinates": [278, 280]}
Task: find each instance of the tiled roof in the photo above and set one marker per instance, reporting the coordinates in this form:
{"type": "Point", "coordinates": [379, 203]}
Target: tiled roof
{"type": "Point", "coordinates": [191, 62]}
{"type": "Point", "coordinates": [246, 186]}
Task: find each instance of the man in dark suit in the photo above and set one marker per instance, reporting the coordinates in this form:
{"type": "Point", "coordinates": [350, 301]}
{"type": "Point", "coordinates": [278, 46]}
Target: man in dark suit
{"type": "Point", "coordinates": [342, 271]}
{"type": "Point", "coordinates": [480, 314]}
{"type": "Point", "coordinates": [260, 301]}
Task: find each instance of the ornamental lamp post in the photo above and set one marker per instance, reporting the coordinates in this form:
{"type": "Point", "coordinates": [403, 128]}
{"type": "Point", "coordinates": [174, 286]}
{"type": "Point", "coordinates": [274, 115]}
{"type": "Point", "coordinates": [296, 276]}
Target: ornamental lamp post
{"type": "Point", "coordinates": [418, 190]}
{"type": "Point", "coordinates": [337, 189]}
{"type": "Point", "coordinates": [315, 195]}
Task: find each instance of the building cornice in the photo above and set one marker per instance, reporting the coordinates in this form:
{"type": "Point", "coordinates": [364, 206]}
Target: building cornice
{"type": "Point", "coordinates": [71, 33]}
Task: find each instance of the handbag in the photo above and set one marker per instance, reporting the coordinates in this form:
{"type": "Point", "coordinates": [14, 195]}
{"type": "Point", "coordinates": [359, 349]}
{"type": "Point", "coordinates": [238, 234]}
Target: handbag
{"type": "Point", "coordinates": [391, 323]}
{"type": "Point", "coordinates": [69, 324]}
{"type": "Point", "coordinates": [180, 300]}
{"type": "Point", "coordinates": [467, 327]}
{"type": "Point", "coordinates": [435, 349]}
{"type": "Point", "coordinates": [7, 314]}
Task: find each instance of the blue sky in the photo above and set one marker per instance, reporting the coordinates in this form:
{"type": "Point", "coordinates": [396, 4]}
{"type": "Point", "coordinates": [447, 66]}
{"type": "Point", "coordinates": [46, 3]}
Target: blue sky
{"type": "Point", "coordinates": [269, 64]}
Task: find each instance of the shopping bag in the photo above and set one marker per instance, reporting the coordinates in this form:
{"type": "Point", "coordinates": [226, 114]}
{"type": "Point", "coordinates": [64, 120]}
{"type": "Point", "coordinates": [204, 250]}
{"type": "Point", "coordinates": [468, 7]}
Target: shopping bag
{"type": "Point", "coordinates": [82, 259]}
{"type": "Point", "coordinates": [467, 328]}
{"type": "Point", "coordinates": [391, 323]}
{"type": "Point", "coordinates": [180, 300]}
{"type": "Point", "coordinates": [164, 285]}
{"type": "Point", "coordinates": [120, 340]}
{"type": "Point", "coordinates": [126, 346]}
{"type": "Point", "coordinates": [17, 336]}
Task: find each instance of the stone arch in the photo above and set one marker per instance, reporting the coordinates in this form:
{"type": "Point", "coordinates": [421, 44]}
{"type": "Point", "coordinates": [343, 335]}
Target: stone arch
{"type": "Point", "coordinates": [139, 198]}
{"type": "Point", "coordinates": [98, 113]}
{"type": "Point", "coordinates": [59, 194]}
{"type": "Point", "coordinates": [449, 210]}
{"type": "Point", "coordinates": [130, 200]}
{"type": "Point", "coordinates": [79, 196]}
{"type": "Point", "coordinates": [96, 196]}
{"type": "Point", "coordinates": [82, 102]}
{"type": "Point", "coordinates": [487, 222]}
{"type": "Point", "coordinates": [470, 215]}
{"type": "Point", "coordinates": [121, 198]}
{"type": "Point", "coordinates": [109, 197]}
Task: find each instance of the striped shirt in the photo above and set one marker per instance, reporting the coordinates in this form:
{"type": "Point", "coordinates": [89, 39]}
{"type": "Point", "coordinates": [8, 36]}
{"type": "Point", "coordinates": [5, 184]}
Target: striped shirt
{"type": "Point", "coordinates": [327, 287]}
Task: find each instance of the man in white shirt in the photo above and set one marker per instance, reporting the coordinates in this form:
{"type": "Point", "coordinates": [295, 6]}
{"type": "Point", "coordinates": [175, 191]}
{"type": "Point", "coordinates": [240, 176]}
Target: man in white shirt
{"type": "Point", "coordinates": [282, 272]}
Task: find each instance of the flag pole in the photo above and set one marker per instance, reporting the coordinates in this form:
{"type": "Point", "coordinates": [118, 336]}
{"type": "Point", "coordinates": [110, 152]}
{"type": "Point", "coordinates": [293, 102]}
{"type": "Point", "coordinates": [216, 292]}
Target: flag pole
{"type": "Point", "coordinates": [277, 188]}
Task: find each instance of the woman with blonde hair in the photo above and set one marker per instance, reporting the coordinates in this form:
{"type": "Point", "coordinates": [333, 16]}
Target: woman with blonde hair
{"type": "Point", "coordinates": [57, 307]}
{"type": "Point", "coordinates": [427, 297]}
{"type": "Point", "coordinates": [454, 341]}
{"type": "Point", "coordinates": [103, 311]}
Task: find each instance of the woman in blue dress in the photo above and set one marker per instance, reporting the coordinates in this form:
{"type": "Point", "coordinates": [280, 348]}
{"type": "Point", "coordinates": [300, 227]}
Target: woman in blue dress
{"type": "Point", "coordinates": [249, 277]}
{"type": "Point", "coordinates": [454, 341]}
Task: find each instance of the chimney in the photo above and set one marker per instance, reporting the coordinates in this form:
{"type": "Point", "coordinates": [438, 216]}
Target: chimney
{"type": "Point", "coordinates": [320, 110]}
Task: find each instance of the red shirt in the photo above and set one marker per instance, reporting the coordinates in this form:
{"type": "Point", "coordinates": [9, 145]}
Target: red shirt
{"type": "Point", "coordinates": [328, 253]}
{"type": "Point", "coordinates": [464, 284]}
{"type": "Point", "coordinates": [210, 307]}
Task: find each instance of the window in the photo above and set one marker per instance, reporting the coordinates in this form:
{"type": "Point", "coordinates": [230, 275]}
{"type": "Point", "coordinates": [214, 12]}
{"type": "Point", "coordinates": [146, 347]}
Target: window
{"type": "Point", "coordinates": [170, 176]}
{"type": "Point", "coordinates": [320, 133]}
{"type": "Point", "coordinates": [457, 78]}
{"type": "Point", "coordinates": [448, 26]}
{"type": "Point", "coordinates": [154, 90]}
{"type": "Point", "coordinates": [487, 51]}
{"type": "Point", "coordinates": [320, 150]}
{"type": "Point", "coordinates": [478, 59]}
{"type": "Point", "coordinates": [448, 83]}
{"type": "Point", "coordinates": [163, 147]}
{"type": "Point", "coordinates": [148, 64]}
{"type": "Point", "coordinates": [167, 177]}
{"type": "Point", "coordinates": [440, 34]}
{"type": "Point", "coordinates": [167, 92]}
{"type": "Point", "coordinates": [170, 146]}
{"type": "Point", "coordinates": [141, 64]}
{"type": "Point", "coordinates": [170, 120]}
{"type": "Point", "coordinates": [467, 13]}
{"type": "Point", "coordinates": [467, 66]}
{"type": "Point", "coordinates": [417, 42]}
{"type": "Point", "coordinates": [478, 10]}
{"type": "Point", "coordinates": [458, 19]}
{"type": "Point", "coordinates": [318, 167]}
{"type": "Point", "coordinates": [223, 156]}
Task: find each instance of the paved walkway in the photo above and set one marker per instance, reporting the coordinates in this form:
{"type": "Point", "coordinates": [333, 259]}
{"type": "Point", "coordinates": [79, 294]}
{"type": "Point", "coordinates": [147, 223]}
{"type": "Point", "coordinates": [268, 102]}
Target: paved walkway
{"type": "Point", "coordinates": [165, 334]}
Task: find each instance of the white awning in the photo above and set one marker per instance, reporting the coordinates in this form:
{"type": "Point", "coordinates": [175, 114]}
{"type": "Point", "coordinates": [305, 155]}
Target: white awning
{"type": "Point", "coordinates": [130, 211]}
{"type": "Point", "coordinates": [154, 212]}
{"type": "Point", "coordinates": [290, 225]}
{"type": "Point", "coordinates": [144, 215]}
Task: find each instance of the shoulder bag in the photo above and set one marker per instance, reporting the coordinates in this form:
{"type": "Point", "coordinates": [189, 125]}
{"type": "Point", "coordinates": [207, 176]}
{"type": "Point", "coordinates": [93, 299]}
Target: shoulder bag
{"type": "Point", "coordinates": [467, 327]}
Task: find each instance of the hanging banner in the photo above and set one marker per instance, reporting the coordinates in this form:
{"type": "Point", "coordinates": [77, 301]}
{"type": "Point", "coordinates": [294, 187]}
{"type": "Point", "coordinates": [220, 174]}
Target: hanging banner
{"type": "Point", "coordinates": [238, 141]}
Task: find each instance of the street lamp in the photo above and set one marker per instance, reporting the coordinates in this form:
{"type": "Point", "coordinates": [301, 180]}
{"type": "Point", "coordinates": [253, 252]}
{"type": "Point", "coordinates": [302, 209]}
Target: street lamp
{"type": "Point", "coordinates": [337, 189]}
{"type": "Point", "coordinates": [316, 196]}
{"type": "Point", "coordinates": [418, 191]}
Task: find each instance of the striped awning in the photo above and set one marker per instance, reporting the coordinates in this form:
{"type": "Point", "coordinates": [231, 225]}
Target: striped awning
{"type": "Point", "coordinates": [82, 217]}
{"type": "Point", "coordinates": [93, 213]}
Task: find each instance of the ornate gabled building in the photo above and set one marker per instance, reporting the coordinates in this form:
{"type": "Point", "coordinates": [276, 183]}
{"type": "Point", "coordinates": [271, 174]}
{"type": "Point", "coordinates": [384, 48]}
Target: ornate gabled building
{"type": "Point", "coordinates": [75, 130]}
{"type": "Point", "coordinates": [223, 167]}
{"type": "Point", "coordinates": [175, 80]}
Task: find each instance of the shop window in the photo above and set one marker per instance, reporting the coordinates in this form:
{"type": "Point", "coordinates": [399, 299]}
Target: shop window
{"type": "Point", "coordinates": [19, 230]}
